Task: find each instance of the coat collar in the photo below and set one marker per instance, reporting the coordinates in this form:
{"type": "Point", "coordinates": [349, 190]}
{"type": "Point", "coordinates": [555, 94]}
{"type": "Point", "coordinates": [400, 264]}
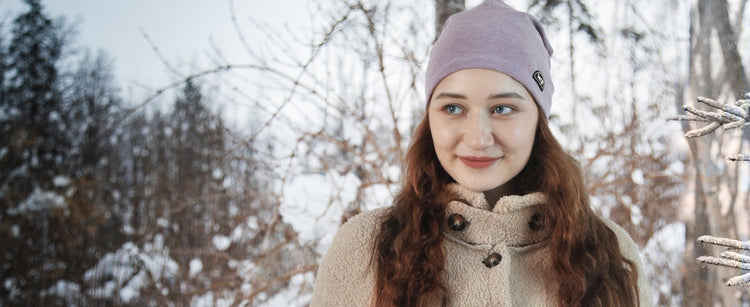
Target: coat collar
{"type": "Point", "coordinates": [515, 220]}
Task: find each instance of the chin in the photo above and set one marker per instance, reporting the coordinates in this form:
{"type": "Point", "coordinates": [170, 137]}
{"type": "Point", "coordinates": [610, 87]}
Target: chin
{"type": "Point", "coordinates": [479, 187]}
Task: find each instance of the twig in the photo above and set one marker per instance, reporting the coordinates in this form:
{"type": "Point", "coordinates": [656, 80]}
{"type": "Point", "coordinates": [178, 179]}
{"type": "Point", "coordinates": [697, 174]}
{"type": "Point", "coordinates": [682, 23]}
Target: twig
{"type": "Point", "coordinates": [738, 157]}
{"type": "Point", "coordinates": [723, 262]}
{"type": "Point", "coordinates": [724, 242]}
{"type": "Point", "coordinates": [729, 259]}
{"type": "Point", "coordinates": [727, 116]}
{"type": "Point", "coordinates": [161, 57]}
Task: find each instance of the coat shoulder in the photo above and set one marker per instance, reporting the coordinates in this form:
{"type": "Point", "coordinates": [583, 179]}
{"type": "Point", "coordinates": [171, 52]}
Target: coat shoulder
{"type": "Point", "coordinates": [630, 250]}
{"type": "Point", "coordinates": [360, 229]}
{"type": "Point", "coordinates": [344, 275]}
{"type": "Point", "coordinates": [627, 246]}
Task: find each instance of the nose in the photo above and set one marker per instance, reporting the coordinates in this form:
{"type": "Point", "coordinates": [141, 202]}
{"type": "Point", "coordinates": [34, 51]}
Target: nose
{"type": "Point", "coordinates": [478, 134]}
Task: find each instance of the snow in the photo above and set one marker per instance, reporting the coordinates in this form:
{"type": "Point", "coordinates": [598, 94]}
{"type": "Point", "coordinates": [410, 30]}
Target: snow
{"type": "Point", "coordinates": [15, 231]}
{"type": "Point", "coordinates": [60, 181]}
{"type": "Point", "coordinates": [11, 286]}
{"type": "Point", "coordinates": [313, 204]}
{"type": "Point", "coordinates": [196, 266]}
{"type": "Point", "coordinates": [132, 289]}
{"type": "Point", "coordinates": [209, 300]}
{"type": "Point", "coordinates": [252, 223]}
{"type": "Point", "coordinates": [664, 251]}
{"type": "Point", "coordinates": [676, 168]}
{"type": "Point", "coordinates": [124, 272]}
{"type": "Point", "coordinates": [156, 245]}
{"type": "Point", "coordinates": [118, 265]}
{"type": "Point", "coordinates": [159, 264]}
{"type": "Point", "coordinates": [128, 229]}
{"type": "Point", "coordinates": [221, 242]}
{"type": "Point", "coordinates": [54, 116]}
{"type": "Point", "coordinates": [217, 173]}
{"type": "Point", "coordinates": [67, 290]}
{"type": "Point", "coordinates": [636, 216]}
{"type": "Point", "coordinates": [162, 222]}
{"type": "Point", "coordinates": [243, 267]}
{"type": "Point", "coordinates": [227, 182]}
{"type": "Point", "coordinates": [38, 201]}
{"type": "Point", "coordinates": [238, 233]}
{"type": "Point", "coordinates": [637, 177]}
{"type": "Point", "coordinates": [739, 280]}
{"type": "Point", "coordinates": [394, 173]}
{"type": "Point", "coordinates": [290, 295]}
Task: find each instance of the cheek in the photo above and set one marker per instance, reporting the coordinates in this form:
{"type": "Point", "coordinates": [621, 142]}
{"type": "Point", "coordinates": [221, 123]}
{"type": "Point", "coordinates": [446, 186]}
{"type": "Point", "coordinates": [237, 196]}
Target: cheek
{"type": "Point", "coordinates": [442, 136]}
{"type": "Point", "coordinates": [523, 136]}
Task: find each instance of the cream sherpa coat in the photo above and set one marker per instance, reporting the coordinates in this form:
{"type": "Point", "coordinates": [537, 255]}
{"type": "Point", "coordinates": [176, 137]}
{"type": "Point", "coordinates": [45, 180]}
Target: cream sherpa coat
{"type": "Point", "coordinates": [497, 257]}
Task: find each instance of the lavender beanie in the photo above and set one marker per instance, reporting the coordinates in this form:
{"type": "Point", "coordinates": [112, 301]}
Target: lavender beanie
{"type": "Point", "coordinates": [495, 36]}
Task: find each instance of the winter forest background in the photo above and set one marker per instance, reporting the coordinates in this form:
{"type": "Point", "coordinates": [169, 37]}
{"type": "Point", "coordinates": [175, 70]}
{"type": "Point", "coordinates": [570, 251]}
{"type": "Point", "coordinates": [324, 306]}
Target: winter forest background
{"type": "Point", "coordinates": [163, 201]}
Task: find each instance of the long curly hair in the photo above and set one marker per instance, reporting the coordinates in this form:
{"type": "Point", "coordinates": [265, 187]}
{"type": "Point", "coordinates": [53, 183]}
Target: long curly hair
{"type": "Point", "coordinates": [408, 254]}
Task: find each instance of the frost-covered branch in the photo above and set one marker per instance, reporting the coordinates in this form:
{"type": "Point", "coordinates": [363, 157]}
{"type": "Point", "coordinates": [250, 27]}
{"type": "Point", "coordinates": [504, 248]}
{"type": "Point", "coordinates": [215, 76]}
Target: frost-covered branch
{"type": "Point", "coordinates": [729, 259]}
{"type": "Point", "coordinates": [730, 115]}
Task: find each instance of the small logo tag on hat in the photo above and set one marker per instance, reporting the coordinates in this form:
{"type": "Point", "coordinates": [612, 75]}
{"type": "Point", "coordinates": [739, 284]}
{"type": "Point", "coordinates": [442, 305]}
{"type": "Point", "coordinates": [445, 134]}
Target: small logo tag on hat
{"type": "Point", "coordinates": [539, 80]}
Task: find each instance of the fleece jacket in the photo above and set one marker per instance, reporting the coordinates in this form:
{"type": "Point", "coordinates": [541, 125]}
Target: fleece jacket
{"type": "Point", "coordinates": [495, 256]}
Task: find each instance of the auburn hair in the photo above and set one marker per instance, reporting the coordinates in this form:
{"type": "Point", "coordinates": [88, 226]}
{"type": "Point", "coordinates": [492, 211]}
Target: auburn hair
{"type": "Point", "coordinates": [408, 254]}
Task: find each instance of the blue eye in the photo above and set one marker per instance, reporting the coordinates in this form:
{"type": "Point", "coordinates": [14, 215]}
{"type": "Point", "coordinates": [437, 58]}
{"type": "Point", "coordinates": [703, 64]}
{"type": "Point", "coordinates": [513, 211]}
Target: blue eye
{"type": "Point", "coordinates": [502, 109]}
{"type": "Point", "coordinates": [453, 109]}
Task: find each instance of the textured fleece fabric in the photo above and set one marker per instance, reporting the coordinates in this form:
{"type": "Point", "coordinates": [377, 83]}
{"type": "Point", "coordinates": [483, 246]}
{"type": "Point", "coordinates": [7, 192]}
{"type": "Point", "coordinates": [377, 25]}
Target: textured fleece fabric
{"type": "Point", "coordinates": [345, 276]}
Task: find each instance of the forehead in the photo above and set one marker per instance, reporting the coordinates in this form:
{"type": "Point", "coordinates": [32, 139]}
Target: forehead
{"type": "Point", "coordinates": [480, 81]}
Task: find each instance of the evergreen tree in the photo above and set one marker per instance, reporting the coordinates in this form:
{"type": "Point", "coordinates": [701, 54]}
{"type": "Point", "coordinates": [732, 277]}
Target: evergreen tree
{"type": "Point", "coordinates": [3, 65]}
{"type": "Point", "coordinates": [49, 219]}
{"type": "Point", "coordinates": [197, 155]}
{"type": "Point", "coordinates": [92, 105]}
{"type": "Point", "coordinates": [199, 143]}
{"type": "Point", "coordinates": [34, 131]}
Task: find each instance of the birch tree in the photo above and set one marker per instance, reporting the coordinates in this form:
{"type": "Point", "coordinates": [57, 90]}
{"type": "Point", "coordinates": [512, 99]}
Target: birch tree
{"type": "Point", "coordinates": [721, 204]}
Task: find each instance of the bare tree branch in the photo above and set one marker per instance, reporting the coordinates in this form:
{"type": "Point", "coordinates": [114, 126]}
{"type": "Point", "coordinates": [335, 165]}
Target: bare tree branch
{"type": "Point", "coordinates": [729, 259]}
{"type": "Point", "coordinates": [728, 116]}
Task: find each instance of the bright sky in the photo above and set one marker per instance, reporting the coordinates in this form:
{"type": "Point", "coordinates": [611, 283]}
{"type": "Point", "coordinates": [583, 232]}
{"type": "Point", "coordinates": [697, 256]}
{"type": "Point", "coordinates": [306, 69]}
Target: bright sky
{"type": "Point", "coordinates": [184, 31]}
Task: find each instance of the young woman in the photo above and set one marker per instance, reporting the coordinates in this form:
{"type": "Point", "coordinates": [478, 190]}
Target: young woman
{"type": "Point", "coordinates": [492, 212]}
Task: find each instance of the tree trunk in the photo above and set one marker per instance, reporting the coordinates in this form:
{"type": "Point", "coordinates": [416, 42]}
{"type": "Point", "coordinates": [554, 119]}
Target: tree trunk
{"type": "Point", "coordinates": [443, 10]}
{"type": "Point", "coordinates": [711, 37]}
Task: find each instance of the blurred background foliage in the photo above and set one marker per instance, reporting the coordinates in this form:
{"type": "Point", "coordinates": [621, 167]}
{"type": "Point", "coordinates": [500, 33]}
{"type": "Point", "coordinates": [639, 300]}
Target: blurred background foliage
{"type": "Point", "coordinates": [111, 202]}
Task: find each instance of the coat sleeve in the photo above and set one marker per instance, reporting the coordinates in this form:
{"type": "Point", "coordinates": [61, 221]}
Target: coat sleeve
{"type": "Point", "coordinates": [630, 250]}
{"type": "Point", "coordinates": [345, 276]}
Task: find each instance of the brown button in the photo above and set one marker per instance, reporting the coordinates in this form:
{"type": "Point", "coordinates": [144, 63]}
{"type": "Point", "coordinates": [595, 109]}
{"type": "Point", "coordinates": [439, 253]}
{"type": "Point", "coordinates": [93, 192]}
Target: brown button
{"type": "Point", "coordinates": [536, 222]}
{"type": "Point", "coordinates": [492, 260]}
{"type": "Point", "coordinates": [457, 222]}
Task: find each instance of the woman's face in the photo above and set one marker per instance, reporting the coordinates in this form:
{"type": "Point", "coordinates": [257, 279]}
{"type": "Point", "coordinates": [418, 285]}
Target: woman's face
{"type": "Point", "coordinates": [483, 124]}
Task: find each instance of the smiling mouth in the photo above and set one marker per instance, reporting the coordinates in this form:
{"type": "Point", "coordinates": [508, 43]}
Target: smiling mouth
{"type": "Point", "coordinates": [478, 162]}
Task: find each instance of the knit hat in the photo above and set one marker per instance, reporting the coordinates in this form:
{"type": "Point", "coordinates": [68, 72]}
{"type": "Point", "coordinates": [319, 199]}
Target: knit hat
{"type": "Point", "coordinates": [495, 36]}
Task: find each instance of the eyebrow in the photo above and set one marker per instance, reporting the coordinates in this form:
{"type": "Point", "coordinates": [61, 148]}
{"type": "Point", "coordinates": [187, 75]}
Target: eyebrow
{"type": "Point", "coordinates": [506, 95]}
{"type": "Point", "coordinates": [494, 96]}
{"type": "Point", "coordinates": [450, 95]}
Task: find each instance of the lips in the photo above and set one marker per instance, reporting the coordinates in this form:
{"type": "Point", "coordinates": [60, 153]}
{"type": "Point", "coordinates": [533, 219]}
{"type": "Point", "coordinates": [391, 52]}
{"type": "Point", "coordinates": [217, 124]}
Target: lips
{"type": "Point", "coordinates": [478, 162]}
